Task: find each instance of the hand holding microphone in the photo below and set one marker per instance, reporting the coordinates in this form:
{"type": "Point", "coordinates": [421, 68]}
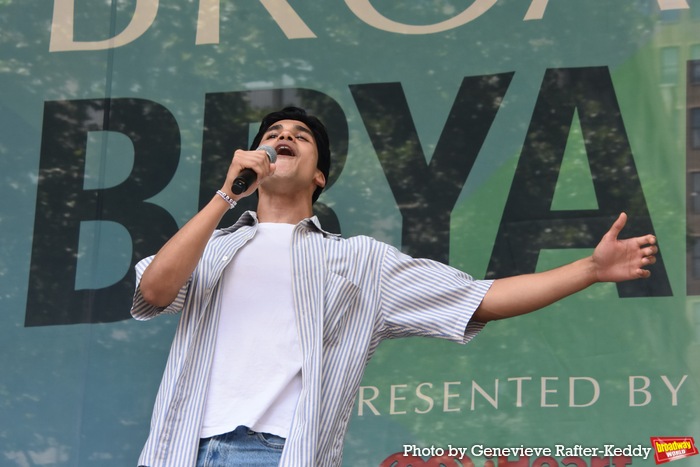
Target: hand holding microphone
{"type": "Point", "coordinates": [247, 177]}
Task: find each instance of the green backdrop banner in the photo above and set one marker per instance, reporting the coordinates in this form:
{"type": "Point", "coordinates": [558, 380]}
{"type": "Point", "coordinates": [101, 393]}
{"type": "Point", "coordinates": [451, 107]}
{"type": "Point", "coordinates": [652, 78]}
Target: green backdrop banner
{"type": "Point", "coordinates": [501, 137]}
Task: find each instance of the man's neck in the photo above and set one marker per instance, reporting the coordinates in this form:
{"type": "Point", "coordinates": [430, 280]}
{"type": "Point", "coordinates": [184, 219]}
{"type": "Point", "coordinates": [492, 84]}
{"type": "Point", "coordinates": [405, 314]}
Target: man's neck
{"type": "Point", "coordinates": [283, 210]}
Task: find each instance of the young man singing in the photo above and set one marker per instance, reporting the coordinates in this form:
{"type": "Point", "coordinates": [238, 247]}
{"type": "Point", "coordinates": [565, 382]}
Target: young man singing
{"type": "Point", "coordinates": [279, 317]}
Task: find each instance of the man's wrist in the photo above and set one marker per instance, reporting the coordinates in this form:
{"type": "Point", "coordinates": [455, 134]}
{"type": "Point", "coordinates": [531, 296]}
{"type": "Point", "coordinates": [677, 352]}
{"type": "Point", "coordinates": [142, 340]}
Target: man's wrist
{"type": "Point", "coordinates": [229, 200]}
{"type": "Point", "coordinates": [590, 268]}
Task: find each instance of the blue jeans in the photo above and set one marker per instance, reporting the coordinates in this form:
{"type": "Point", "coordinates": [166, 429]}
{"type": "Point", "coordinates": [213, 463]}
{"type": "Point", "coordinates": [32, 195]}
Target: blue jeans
{"type": "Point", "coordinates": [240, 448]}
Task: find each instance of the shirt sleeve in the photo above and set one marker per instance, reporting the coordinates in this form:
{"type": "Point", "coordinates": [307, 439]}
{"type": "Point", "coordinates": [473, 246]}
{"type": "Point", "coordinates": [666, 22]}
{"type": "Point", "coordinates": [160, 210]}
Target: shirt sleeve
{"type": "Point", "coordinates": [142, 310]}
{"type": "Point", "coordinates": [422, 297]}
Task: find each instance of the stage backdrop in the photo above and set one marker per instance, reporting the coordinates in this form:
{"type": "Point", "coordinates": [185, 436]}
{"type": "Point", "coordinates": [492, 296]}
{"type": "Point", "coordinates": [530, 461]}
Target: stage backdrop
{"type": "Point", "coordinates": [501, 137]}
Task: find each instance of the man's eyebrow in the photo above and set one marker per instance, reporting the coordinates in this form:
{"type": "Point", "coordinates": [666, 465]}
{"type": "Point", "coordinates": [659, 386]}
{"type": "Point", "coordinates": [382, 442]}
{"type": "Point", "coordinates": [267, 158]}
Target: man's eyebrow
{"type": "Point", "coordinates": [278, 127]}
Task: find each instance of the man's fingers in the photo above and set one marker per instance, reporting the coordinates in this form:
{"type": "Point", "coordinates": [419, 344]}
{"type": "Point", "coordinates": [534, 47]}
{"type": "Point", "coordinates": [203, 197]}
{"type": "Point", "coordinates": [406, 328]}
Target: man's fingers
{"type": "Point", "coordinates": [648, 260]}
{"type": "Point", "coordinates": [643, 273]}
{"type": "Point", "coordinates": [647, 240]}
{"type": "Point", "coordinates": [257, 161]}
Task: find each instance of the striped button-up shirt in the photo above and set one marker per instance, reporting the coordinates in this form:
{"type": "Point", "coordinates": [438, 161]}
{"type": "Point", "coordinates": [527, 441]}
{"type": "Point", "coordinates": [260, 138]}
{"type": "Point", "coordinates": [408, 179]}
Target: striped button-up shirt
{"type": "Point", "coordinates": [349, 295]}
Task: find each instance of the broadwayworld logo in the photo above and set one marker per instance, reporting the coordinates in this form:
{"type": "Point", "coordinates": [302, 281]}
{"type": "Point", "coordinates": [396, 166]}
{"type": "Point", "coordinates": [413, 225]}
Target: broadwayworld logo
{"type": "Point", "coordinates": [668, 449]}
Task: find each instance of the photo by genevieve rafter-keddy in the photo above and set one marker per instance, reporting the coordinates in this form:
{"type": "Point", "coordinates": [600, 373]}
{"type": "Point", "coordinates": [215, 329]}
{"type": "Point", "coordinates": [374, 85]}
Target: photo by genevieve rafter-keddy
{"type": "Point", "coordinates": [662, 450]}
{"type": "Point", "coordinates": [556, 450]}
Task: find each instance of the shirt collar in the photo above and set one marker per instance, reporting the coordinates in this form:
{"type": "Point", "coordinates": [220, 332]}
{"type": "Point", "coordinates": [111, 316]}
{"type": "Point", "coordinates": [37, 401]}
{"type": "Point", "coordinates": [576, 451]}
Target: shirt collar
{"type": "Point", "coordinates": [250, 219]}
{"type": "Point", "coordinates": [314, 224]}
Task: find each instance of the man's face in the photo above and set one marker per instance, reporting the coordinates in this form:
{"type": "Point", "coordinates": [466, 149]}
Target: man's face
{"type": "Point", "coordinates": [297, 155]}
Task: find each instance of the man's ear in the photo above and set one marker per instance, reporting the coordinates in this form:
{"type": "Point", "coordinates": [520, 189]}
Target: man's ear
{"type": "Point", "coordinates": [319, 179]}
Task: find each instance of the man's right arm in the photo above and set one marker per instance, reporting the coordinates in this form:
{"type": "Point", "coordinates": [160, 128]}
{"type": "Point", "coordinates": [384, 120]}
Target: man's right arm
{"type": "Point", "coordinates": [174, 263]}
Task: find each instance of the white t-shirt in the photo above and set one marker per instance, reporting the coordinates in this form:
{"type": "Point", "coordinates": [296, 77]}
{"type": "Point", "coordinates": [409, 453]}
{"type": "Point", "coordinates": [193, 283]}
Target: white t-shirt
{"type": "Point", "coordinates": [256, 370]}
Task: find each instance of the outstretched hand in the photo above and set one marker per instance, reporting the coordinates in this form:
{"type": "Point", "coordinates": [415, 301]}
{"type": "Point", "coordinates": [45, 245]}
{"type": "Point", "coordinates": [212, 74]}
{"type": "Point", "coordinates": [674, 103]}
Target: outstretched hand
{"type": "Point", "coordinates": [613, 260]}
{"type": "Point", "coordinates": [618, 260]}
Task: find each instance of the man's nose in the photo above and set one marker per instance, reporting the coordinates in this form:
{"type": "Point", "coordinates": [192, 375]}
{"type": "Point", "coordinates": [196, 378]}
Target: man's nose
{"type": "Point", "coordinates": [285, 134]}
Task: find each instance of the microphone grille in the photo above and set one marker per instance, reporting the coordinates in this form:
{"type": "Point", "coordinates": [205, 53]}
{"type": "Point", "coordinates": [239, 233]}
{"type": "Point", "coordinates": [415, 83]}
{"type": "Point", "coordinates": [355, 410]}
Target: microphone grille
{"type": "Point", "coordinates": [271, 153]}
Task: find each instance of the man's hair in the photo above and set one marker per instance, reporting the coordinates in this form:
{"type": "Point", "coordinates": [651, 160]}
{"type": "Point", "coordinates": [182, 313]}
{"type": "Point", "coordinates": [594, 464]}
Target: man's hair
{"type": "Point", "coordinates": [317, 129]}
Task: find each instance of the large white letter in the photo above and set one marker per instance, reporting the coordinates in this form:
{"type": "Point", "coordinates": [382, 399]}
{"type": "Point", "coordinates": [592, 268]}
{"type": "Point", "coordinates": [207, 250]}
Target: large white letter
{"type": "Point", "coordinates": [536, 10]}
{"type": "Point", "coordinates": [284, 15]}
{"type": "Point", "coordinates": [428, 399]}
{"type": "Point", "coordinates": [673, 4]}
{"type": "Point", "coordinates": [287, 19]}
{"type": "Point", "coordinates": [364, 10]}
{"type": "Point", "coordinates": [362, 400]}
{"type": "Point", "coordinates": [545, 391]}
{"type": "Point", "coordinates": [62, 27]}
{"type": "Point", "coordinates": [674, 391]}
{"type": "Point", "coordinates": [519, 389]}
{"type": "Point", "coordinates": [572, 384]}
{"type": "Point", "coordinates": [633, 389]}
{"type": "Point", "coordinates": [207, 22]}
{"type": "Point", "coordinates": [394, 398]}
{"type": "Point", "coordinates": [492, 400]}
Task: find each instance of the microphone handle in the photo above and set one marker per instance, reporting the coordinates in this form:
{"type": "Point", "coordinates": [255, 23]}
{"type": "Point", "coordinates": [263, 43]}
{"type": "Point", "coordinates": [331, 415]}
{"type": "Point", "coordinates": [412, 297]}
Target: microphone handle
{"type": "Point", "coordinates": [243, 181]}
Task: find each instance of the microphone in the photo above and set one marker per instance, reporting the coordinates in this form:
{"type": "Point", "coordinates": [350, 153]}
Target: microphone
{"type": "Point", "coordinates": [248, 176]}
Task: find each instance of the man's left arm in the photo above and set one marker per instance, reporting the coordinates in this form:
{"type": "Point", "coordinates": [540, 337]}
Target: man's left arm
{"type": "Point", "coordinates": [613, 260]}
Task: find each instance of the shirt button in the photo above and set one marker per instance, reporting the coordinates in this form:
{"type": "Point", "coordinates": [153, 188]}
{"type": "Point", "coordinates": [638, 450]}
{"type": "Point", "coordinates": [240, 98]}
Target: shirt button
{"type": "Point", "coordinates": [224, 258]}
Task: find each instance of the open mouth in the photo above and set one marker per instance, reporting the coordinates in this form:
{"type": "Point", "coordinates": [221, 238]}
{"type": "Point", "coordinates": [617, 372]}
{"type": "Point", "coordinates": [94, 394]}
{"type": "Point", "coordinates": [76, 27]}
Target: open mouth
{"type": "Point", "coordinates": [284, 150]}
